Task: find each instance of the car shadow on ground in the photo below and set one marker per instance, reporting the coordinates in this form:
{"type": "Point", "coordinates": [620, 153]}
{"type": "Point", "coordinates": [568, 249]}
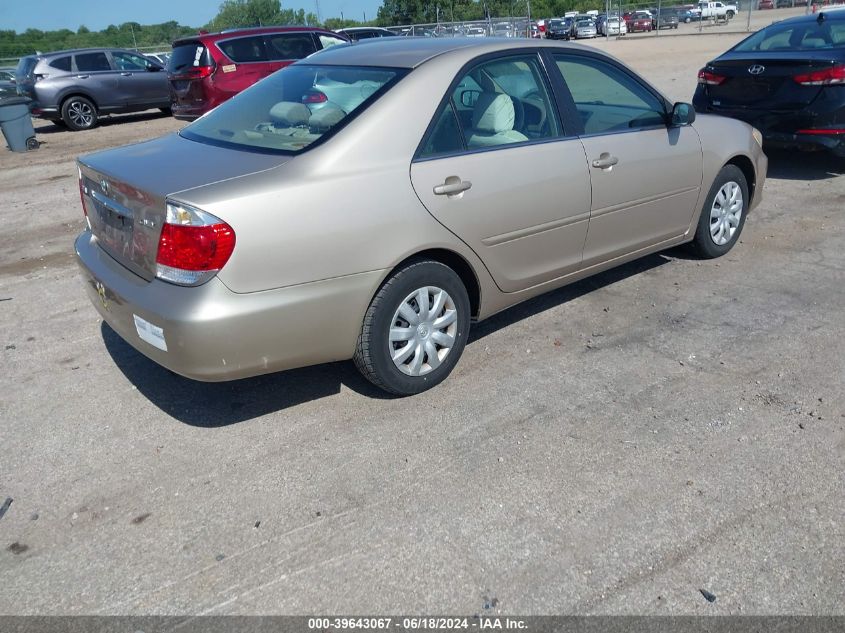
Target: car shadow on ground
{"type": "Point", "coordinates": [47, 127]}
{"type": "Point", "coordinates": [797, 165]}
{"type": "Point", "coordinates": [212, 405]}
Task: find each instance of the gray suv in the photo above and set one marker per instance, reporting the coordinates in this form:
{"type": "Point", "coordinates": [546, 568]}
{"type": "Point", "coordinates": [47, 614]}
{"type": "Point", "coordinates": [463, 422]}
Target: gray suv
{"type": "Point", "coordinates": [76, 87]}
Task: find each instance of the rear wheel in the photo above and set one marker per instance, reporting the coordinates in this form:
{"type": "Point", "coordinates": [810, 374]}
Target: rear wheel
{"type": "Point", "coordinates": [79, 113]}
{"type": "Point", "coordinates": [415, 329]}
{"type": "Point", "coordinates": [723, 215]}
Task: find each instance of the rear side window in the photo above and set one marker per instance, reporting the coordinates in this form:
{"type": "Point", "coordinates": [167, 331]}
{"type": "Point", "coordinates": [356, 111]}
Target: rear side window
{"type": "Point", "coordinates": [188, 55]}
{"type": "Point", "coordinates": [327, 41]}
{"type": "Point", "coordinates": [61, 63]}
{"type": "Point", "coordinates": [282, 46]}
{"type": "Point", "coordinates": [92, 62]}
{"type": "Point", "coordinates": [245, 49]}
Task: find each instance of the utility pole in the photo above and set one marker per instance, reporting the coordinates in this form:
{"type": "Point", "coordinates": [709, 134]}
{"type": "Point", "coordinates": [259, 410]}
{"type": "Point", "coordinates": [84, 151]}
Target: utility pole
{"type": "Point", "coordinates": [134, 42]}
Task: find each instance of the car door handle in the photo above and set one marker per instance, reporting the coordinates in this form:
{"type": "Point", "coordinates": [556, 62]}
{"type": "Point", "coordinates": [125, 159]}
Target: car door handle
{"type": "Point", "coordinates": [605, 161]}
{"type": "Point", "coordinates": [82, 76]}
{"type": "Point", "coordinates": [452, 186]}
{"type": "Point", "coordinates": [125, 74]}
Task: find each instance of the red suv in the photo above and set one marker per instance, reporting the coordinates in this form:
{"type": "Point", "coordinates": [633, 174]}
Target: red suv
{"type": "Point", "coordinates": [208, 69]}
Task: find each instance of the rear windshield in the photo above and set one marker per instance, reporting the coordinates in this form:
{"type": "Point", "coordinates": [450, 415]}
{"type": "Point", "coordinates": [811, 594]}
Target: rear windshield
{"type": "Point", "coordinates": [188, 55]}
{"type": "Point", "coordinates": [25, 66]}
{"type": "Point", "coordinates": [293, 108]}
{"type": "Point", "coordinates": [798, 36]}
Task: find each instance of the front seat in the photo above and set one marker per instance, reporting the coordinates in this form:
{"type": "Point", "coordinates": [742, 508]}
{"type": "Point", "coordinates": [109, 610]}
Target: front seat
{"type": "Point", "coordinates": [492, 122]}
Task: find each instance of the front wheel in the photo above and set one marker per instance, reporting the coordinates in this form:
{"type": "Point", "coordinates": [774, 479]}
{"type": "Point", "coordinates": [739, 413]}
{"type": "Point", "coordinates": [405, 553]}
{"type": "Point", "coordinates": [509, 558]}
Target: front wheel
{"type": "Point", "coordinates": [730, 15]}
{"type": "Point", "coordinates": [79, 113]}
{"type": "Point", "coordinates": [415, 329]}
{"type": "Point", "coordinates": [723, 215]}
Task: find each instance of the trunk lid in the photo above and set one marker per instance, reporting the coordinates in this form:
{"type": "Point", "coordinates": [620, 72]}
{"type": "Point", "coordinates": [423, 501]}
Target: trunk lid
{"type": "Point", "coordinates": [124, 190]}
{"type": "Point", "coordinates": [187, 69]}
{"type": "Point", "coordinates": [772, 87]}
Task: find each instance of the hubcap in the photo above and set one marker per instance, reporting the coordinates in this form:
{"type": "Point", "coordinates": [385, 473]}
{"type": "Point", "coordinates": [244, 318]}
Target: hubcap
{"type": "Point", "coordinates": [81, 114]}
{"type": "Point", "coordinates": [423, 331]}
{"type": "Point", "coordinates": [726, 213]}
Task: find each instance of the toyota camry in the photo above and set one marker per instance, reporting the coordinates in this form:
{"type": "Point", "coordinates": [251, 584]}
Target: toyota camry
{"type": "Point", "coordinates": [372, 202]}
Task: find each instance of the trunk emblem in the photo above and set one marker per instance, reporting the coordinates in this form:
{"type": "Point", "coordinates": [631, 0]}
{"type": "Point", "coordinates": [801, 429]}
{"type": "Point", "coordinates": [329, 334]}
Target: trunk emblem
{"type": "Point", "coordinates": [104, 185]}
{"type": "Point", "coordinates": [756, 69]}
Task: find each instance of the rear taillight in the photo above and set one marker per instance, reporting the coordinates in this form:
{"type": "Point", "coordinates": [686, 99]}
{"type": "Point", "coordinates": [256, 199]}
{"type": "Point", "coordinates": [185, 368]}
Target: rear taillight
{"type": "Point", "coordinates": [193, 247]}
{"type": "Point", "coordinates": [709, 78]}
{"type": "Point", "coordinates": [827, 77]}
{"type": "Point", "coordinates": [197, 72]}
{"type": "Point", "coordinates": [314, 96]}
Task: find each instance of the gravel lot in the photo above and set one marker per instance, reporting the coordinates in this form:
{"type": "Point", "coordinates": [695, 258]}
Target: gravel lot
{"type": "Point", "coordinates": [614, 447]}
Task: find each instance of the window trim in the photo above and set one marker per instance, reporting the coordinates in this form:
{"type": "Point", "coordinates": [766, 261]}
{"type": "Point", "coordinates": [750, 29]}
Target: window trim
{"type": "Point", "coordinates": [534, 51]}
{"type": "Point", "coordinates": [569, 100]}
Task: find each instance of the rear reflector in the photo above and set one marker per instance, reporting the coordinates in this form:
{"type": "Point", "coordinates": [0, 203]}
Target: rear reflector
{"type": "Point", "coordinates": [822, 131]}
{"type": "Point", "coordinates": [827, 77]}
{"type": "Point", "coordinates": [193, 246]}
{"type": "Point", "coordinates": [710, 79]}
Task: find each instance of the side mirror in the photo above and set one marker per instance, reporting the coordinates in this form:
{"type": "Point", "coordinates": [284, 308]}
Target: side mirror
{"type": "Point", "coordinates": [682, 114]}
{"type": "Point", "coordinates": [469, 97]}
{"type": "Point", "coordinates": [153, 68]}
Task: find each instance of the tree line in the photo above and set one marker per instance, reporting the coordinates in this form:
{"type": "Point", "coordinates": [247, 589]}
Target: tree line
{"type": "Point", "coordinates": [244, 13]}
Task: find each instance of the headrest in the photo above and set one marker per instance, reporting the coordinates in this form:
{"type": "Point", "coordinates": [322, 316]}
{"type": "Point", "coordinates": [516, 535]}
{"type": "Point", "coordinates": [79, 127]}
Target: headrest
{"type": "Point", "coordinates": [325, 118]}
{"type": "Point", "coordinates": [493, 113]}
{"type": "Point", "coordinates": [290, 113]}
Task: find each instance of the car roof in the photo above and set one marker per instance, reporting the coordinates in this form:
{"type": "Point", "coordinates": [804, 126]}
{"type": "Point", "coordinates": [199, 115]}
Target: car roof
{"type": "Point", "coordinates": [257, 30]}
{"type": "Point", "coordinates": [835, 13]}
{"type": "Point", "coordinates": [73, 51]}
{"type": "Point", "coordinates": [410, 52]}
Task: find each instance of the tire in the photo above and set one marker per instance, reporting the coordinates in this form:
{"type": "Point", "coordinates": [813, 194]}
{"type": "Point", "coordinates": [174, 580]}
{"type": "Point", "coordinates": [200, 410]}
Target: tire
{"type": "Point", "coordinates": [720, 223]}
{"type": "Point", "coordinates": [397, 299]}
{"type": "Point", "coordinates": [729, 15]}
{"type": "Point", "coordinates": [166, 111]}
{"type": "Point", "coordinates": [79, 113]}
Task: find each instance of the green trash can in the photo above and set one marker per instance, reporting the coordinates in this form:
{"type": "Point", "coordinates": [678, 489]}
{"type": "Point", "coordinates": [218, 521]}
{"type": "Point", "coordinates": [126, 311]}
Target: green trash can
{"type": "Point", "coordinates": [16, 124]}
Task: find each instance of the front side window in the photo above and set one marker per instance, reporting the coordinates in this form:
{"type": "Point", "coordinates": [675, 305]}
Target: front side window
{"type": "Point", "coordinates": [92, 62]}
{"type": "Point", "coordinates": [129, 61]}
{"type": "Point", "coordinates": [286, 46]}
{"type": "Point", "coordinates": [293, 108]}
{"type": "Point", "coordinates": [607, 98]}
{"type": "Point", "coordinates": [245, 49]}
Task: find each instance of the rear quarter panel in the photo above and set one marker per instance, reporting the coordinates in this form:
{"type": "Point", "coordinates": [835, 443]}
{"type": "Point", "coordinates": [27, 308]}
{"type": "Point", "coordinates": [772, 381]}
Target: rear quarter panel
{"type": "Point", "coordinates": [341, 208]}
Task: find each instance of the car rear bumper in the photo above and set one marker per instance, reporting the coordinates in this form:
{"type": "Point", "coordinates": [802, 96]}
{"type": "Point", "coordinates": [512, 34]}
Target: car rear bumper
{"type": "Point", "coordinates": [210, 333]}
{"type": "Point", "coordinates": [790, 130]}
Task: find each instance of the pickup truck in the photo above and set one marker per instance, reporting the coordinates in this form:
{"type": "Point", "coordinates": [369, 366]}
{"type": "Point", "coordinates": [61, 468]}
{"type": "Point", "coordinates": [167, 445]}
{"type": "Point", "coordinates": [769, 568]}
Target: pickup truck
{"type": "Point", "coordinates": [717, 10]}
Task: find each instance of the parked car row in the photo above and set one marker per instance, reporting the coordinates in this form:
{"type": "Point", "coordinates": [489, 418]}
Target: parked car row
{"type": "Point", "coordinates": [75, 88]}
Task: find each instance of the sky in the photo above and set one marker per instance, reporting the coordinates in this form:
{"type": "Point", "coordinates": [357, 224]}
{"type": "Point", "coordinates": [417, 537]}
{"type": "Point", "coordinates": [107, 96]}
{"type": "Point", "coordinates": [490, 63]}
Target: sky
{"type": "Point", "coordinates": [49, 15]}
